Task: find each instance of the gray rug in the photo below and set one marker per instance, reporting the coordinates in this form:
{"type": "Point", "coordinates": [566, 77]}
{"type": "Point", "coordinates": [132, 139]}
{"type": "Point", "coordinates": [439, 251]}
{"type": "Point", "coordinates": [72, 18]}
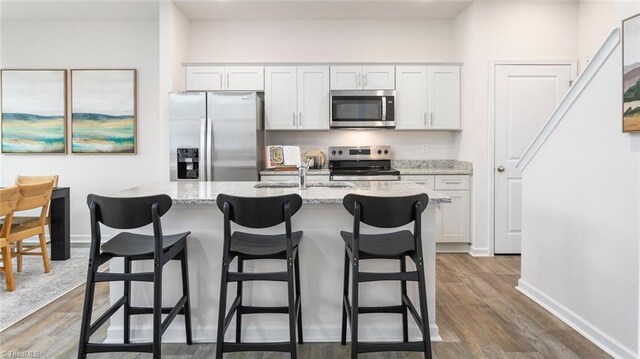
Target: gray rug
{"type": "Point", "coordinates": [35, 289]}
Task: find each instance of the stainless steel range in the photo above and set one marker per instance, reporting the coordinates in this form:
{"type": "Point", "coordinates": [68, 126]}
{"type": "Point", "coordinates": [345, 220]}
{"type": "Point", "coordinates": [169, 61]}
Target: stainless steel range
{"type": "Point", "coordinates": [361, 163]}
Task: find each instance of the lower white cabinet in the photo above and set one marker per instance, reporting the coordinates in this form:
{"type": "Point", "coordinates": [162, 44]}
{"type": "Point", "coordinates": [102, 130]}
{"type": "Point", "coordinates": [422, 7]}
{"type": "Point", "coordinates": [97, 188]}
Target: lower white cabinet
{"type": "Point", "coordinates": [452, 219]}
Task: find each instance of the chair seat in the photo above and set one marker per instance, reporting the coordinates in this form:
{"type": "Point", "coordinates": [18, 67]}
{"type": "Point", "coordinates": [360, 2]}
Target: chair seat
{"type": "Point", "coordinates": [261, 244]}
{"type": "Point", "coordinates": [127, 244]}
{"type": "Point", "coordinates": [383, 245]}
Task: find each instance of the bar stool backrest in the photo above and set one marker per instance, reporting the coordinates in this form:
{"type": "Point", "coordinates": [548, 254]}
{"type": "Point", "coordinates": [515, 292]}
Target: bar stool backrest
{"type": "Point", "coordinates": [259, 212]}
{"type": "Point", "coordinates": [8, 200]}
{"type": "Point", "coordinates": [128, 212]}
{"type": "Point", "coordinates": [386, 212]}
{"type": "Point", "coordinates": [36, 179]}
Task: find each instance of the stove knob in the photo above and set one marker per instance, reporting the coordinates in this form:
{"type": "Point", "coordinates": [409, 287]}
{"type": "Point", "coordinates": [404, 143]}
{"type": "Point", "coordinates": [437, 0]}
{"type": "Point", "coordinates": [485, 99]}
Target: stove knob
{"type": "Point", "coordinates": [386, 152]}
{"type": "Point", "coordinates": [339, 152]}
{"type": "Point", "coordinates": [333, 152]}
{"type": "Point", "coordinates": [379, 152]}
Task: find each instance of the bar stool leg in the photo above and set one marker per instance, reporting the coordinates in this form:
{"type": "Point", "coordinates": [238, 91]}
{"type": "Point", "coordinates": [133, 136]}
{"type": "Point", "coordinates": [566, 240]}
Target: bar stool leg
{"type": "Point", "coordinates": [86, 311]}
{"type": "Point", "coordinates": [298, 309]}
{"type": "Point", "coordinates": [127, 303]}
{"type": "Point", "coordinates": [424, 311]}
{"type": "Point", "coordinates": [354, 309]}
{"type": "Point", "coordinates": [157, 311]}
{"type": "Point", "coordinates": [184, 264]}
{"type": "Point", "coordinates": [345, 293]}
{"type": "Point", "coordinates": [239, 310]}
{"type": "Point", "coordinates": [222, 309]}
{"type": "Point", "coordinates": [403, 293]}
{"type": "Point", "coordinates": [292, 310]}
{"type": "Point", "coordinates": [19, 253]}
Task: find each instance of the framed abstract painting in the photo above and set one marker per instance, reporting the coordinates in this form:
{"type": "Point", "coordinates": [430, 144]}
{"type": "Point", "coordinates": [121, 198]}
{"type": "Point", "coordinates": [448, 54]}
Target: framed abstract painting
{"type": "Point", "coordinates": [103, 111]}
{"type": "Point", "coordinates": [631, 74]}
{"type": "Point", "coordinates": [33, 111]}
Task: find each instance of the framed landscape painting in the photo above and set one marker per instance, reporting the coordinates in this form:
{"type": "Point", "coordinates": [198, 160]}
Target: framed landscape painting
{"type": "Point", "coordinates": [34, 108]}
{"type": "Point", "coordinates": [631, 74]}
{"type": "Point", "coordinates": [103, 111]}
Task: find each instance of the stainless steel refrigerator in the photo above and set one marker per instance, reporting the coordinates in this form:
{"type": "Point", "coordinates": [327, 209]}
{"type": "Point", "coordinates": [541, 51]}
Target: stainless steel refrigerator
{"type": "Point", "coordinates": [216, 136]}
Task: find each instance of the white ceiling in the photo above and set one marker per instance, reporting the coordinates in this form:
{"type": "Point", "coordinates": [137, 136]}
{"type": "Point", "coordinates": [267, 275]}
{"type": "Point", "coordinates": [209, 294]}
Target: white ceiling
{"type": "Point", "coordinates": [320, 9]}
{"type": "Point", "coordinates": [56, 10]}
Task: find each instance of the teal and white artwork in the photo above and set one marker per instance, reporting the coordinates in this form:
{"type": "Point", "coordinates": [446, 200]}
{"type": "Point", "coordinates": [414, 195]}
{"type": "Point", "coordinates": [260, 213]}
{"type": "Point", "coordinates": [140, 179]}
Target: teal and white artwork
{"type": "Point", "coordinates": [33, 111]}
{"type": "Point", "coordinates": [103, 111]}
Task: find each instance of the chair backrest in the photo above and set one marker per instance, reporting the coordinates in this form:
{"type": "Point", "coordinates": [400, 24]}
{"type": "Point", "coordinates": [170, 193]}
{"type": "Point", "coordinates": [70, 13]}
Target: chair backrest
{"type": "Point", "coordinates": [36, 179]}
{"type": "Point", "coordinates": [34, 195]}
{"type": "Point", "coordinates": [8, 200]}
{"type": "Point", "coordinates": [386, 212]}
{"type": "Point", "coordinates": [128, 212]}
{"type": "Point", "coordinates": [259, 212]}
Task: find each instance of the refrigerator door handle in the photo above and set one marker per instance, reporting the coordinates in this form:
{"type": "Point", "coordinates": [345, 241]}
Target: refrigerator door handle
{"type": "Point", "coordinates": [209, 149]}
{"type": "Point", "coordinates": [203, 149]}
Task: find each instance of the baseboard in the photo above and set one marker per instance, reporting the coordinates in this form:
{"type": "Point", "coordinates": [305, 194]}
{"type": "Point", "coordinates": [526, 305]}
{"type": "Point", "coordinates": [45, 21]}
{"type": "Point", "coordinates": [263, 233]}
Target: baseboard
{"type": "Point", "coordinates": [313, 334]}
{"type": "Point", "coordinates": [575, 321]}
{"type": "Point", "coordinates": [452, 247]}
{"type": "Point", "coordinates": [479, 252]}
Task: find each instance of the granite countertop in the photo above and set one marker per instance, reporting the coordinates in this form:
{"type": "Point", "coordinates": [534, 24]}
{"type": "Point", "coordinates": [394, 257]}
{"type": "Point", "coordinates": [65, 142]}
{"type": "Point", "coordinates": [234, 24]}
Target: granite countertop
{"type": "Point", "coordinates": [206, 192]}
{"type": "Point", "coordinates": [406, 167]}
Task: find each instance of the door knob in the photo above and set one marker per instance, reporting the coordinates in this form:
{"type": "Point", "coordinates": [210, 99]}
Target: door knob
{"type": "Point", "coordinates": [500, 169]}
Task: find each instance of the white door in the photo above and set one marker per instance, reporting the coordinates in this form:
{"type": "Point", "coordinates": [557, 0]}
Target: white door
{"type": "Point", "coordinates": [281, 98]}
{"type": "Point", "coordinates": [411, 97]}
{"type": "Point", "coordinates": [525, 97]}
{"type": "Point", "coordinates": [313, 97]}
{"type": "Point", "coordinates": [203, 78]}
{"type": "Point", "coordinates": [444, 97]}
{"type": "Point", "coordinates": [378, 77]}
{"type": "Point", "coordinates": [249, 78]}
{"type": "Point", "coordinates": [348, 77]}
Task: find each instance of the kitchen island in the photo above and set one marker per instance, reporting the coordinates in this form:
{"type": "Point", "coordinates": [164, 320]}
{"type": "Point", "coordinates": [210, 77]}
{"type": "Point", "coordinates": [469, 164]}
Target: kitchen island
{"type": "Point", "coordinates": [321, 217]}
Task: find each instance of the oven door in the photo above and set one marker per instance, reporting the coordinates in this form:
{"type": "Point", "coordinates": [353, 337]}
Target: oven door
{"type": "Point", "coordinates": [362, 109]}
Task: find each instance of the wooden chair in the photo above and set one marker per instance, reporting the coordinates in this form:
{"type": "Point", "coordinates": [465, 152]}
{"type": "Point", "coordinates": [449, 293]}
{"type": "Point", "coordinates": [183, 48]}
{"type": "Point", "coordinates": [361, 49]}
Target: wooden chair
{"type": "Point", "coordinates": [32, 196]}
{"type": "Point", "coordinates": [24, 219]}
{"type": "Point", "coordinates": [8, 201]}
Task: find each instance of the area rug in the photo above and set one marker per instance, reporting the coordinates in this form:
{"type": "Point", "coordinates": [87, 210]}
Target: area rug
{"type": "Point", "coordinates": [35, 289]}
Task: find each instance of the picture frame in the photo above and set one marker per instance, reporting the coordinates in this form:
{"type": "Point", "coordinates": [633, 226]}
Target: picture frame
{"type": "Point", "coordinates": [33, 111]}
{"type": "Point", "coordinates": [631, 74]}
{"type": "Point", "coordinates": [104, 111]}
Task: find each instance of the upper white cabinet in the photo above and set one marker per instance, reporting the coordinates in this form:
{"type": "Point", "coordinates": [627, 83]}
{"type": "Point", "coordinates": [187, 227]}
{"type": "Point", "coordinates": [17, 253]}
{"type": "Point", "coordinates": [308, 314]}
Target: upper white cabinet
{"type": "Point", "coordinates": [297, 98]}
{"type": "Point", "coordinates": [212, 78]}
{"type": "Point", "coordinates": [427, 97]}
{"type": "Point", "coordinates": [363, 77]}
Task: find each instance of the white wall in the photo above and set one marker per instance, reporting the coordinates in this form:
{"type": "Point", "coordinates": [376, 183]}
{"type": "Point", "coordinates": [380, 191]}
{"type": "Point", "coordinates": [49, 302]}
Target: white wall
{"type": "Point", "coordinates": [502, 30]}
{"type": "Point", "coordinates": [321, 40]}
{"type": "Point", "coordinates": [90, 44]}
{"type": "Point", "coordinates": [580, 217]}
{"type": "Point", "coordinates": [596, 19]}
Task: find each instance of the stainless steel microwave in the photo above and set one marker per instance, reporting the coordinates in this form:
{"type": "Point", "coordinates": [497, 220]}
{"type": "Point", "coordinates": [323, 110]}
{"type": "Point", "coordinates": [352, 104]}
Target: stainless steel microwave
{"type": "Point", "coordinates": [363, 109]}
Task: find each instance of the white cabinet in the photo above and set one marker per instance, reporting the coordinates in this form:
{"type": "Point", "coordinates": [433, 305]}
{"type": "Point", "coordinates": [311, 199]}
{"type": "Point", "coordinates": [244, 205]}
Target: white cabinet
{"type": "Point", "coordinates": [363, 77]}
{"type": "Point", "coordinates": [427, 97]}
{"type": "Point", "coordinates": [452, 219]}
{"type": "Point", "coordinates": [297, 98]}
{"type": "Point", "coordinates": [212, 78]}
{"type": "Point", "coordinates": [444, 97]}
{"type": "Point", "coordinates": [294, 178]}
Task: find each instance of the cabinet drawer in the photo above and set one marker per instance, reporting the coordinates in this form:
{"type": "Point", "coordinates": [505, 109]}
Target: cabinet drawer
{"type": "Point", "coordinates": [451, 182]}
{"type": "Point", "coordinates": [426, 180]}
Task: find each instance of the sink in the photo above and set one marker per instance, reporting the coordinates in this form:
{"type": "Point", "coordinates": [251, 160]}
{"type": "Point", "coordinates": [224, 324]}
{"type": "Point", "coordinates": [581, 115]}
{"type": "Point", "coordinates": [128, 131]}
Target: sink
{"type": "Point", "coordinates": [310, 184]}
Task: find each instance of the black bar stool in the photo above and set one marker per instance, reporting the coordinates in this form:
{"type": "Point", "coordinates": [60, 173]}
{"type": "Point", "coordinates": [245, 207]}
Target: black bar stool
{"type": "Point", "coordinates": [259, 213]}
{"type": "Point", "coordinates": [130, 213]}
{"type": "Point", "coordinates": [385, 212]}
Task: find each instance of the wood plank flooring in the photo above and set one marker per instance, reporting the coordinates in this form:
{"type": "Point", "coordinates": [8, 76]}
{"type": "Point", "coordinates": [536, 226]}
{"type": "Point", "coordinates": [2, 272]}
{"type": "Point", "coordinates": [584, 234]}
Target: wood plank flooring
{"type": "Point", "coordinates": [479, 313]}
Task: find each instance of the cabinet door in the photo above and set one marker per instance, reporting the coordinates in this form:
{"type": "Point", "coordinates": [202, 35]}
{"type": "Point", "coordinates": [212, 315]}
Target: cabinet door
{"type": "Point", "coordinates": [281, 98]}
{"type": "Point", "coordinates": [378, 77]}
{"type": "Point", "coordinates": [428, 181]}
{"type": "Point", "coordinates": [444, 97]}
{"type": "Point", "coordinates": [203, 78]}
{"type": "Point", "coordinates": [249, 78]}
{"type": "Point", "coordinates": [452, 219]}
{"type": "Point", "coordinates": [313, 97]}
{"type": "Point", "coordinates": [346, 77]}
{"type": "Point", "coordinates": [411, 97]}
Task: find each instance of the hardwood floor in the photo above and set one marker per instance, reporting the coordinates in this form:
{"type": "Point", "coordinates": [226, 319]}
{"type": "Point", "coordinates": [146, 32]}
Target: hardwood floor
{"type": "Point", "coordinates": [479, 312]}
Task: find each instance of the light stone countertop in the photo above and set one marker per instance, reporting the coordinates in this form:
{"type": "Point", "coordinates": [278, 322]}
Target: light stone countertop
{"type": "Point", "coordinates": [206, 192]}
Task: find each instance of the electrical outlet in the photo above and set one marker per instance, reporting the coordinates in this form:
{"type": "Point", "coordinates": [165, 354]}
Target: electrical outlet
{"type": "Point", "coordinates": [425, 148]}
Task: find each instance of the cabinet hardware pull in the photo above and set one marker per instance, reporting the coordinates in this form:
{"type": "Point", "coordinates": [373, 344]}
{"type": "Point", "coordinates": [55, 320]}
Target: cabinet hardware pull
{"type": "Point", "coordinates": [425, 119]}
{"type": "Point", "coordinates": [294, 118]}
{"type": "Point", "coordinates": [221, 82]}
{"type": "Point", "coordinates": [364, 79]}
{"type": "Point", "coordinates": [357, 79]}
{"type": "Point", "coordinates": [300, 119]}
{"type": "Point", "coordinates": [453, 182]}
{"type": "Point", "coordinates": [431, 120]}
